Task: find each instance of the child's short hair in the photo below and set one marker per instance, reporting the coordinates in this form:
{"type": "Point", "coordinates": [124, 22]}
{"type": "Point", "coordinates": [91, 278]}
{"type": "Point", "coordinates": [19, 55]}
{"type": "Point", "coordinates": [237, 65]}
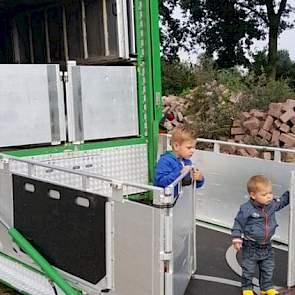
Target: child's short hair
{"type": "Point", "coordinates": [183, 133]}
{"type": "Point", "coordinates": [255, 182]}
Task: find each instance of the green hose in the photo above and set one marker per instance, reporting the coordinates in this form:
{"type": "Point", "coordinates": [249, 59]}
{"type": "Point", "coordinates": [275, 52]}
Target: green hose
{"type": "Point", "coordinates": [41, 261]}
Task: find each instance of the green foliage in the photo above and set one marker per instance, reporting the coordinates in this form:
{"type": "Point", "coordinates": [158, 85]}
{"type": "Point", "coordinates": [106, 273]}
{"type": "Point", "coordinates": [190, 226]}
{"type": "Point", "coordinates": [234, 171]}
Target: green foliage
{"type": "Point", "coordinates": [285, 66]}
{"type": "Point", "coordinates": [233, 79]}
{"type": "Point", "coordinates": [263, 91]}
{"type": "Point", "coordinates": [211, 118]}
{"type": "Point", "coordinates": [177, 77]}
{"type": "Point", "coordinates": [210, 110]}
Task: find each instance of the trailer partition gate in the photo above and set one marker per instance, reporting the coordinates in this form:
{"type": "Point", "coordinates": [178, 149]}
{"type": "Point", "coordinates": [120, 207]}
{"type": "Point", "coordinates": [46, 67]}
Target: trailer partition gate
{"type": "Point", "coordinates": [98, 239]}
{"type": "Point", "coordinates": [225, 189]}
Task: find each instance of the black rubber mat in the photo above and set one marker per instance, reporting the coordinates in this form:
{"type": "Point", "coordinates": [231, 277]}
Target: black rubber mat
{"type": "Point", "coordinates": [200, 287]}
{"type": "Point", "coordinates": [211, 249]}
{"type": "Point", "coordinates": [70, 236]}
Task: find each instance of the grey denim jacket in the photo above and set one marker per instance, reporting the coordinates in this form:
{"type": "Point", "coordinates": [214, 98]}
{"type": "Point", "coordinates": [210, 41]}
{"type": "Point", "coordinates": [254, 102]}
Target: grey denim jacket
{"type": "Point", "coordinates": [258, 222]}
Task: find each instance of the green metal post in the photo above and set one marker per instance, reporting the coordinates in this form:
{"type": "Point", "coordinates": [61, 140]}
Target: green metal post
{"type": "Point", "coordinates": [149, 88]}
{"type": "Point", "coordinates": [139, 27]}
{"type": "Point", "coordinates": [153, 70]}
{"type": "Point", "coordinates": [41, 261]}
{"type": "Point", "coordinates": [156, 64]}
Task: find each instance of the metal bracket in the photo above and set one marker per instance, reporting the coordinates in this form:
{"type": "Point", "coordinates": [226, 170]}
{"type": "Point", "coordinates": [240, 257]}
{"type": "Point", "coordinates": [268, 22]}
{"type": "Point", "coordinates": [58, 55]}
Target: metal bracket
{"type": "Point", "coordinates": [117, 191]}
{"type": "Point", "coordinates": [165, 256]}
{"type": "Point", "coordinates": [168, 195]}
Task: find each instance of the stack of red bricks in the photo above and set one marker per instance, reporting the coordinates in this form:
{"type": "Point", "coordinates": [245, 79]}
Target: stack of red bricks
{"type": "Point", "coordinates": [173, 111]}
{"type": "Point", "coordinates": [275, 127]}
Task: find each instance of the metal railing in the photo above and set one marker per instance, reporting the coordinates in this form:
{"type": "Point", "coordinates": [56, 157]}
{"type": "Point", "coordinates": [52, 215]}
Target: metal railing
{"type": "Point", "coordinates": [218, 143]}
{"type": "Point", "coordinates": [116, 185]}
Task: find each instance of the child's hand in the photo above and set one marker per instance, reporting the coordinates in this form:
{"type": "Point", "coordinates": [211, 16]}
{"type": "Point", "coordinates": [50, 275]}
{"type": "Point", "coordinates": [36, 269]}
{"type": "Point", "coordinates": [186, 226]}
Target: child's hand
{"type": "Point", "coordinates": [237, 245]}
{"type": "Point", "coordinates": [197, 175]}
{"type": "Point", "coordinates": [186, 169]}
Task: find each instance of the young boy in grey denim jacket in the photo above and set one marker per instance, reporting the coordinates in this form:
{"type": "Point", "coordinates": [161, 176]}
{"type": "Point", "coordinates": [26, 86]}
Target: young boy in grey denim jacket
{"type": "Point", "coordinates": [254, 226]}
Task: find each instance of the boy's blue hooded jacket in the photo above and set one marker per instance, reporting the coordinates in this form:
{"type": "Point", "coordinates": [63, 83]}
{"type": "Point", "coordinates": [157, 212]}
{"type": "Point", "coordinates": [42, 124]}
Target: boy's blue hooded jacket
{"type": "Point", "coordinates": [169, 168]}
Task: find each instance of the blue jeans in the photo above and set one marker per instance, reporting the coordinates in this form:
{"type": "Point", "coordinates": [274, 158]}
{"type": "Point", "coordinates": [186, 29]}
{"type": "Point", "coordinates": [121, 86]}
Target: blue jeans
{"type": "Point", "coordinates": [257, 255]}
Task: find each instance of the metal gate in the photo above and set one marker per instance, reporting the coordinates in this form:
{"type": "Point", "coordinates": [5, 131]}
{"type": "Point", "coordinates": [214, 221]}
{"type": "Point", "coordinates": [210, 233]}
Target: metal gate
{"type": "Point", "coordinates": [149, 248]}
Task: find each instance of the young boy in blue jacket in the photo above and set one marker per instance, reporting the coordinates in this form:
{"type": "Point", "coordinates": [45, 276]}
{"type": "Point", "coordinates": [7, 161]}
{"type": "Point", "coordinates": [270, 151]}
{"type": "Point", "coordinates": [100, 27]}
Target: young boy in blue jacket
{"type": "Point", "coordinates": [172, 164]}
{"type": "Point", "coordinates": [254, 226]}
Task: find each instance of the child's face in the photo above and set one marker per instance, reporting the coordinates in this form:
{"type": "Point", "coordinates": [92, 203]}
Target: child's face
{"type": "Point", "coordinates": [185, 149]}
{"type": "Point", "coordinates": [263, 195]}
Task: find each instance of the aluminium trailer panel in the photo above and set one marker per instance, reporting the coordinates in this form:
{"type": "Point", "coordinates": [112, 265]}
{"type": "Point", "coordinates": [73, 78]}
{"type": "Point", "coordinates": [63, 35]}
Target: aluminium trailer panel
{"type": "Point", "coordinates": [226, 187]}
{"type": "Point", "coordinates": [31, 105]}
{"type": "Point", "coordinates": [102, 102]}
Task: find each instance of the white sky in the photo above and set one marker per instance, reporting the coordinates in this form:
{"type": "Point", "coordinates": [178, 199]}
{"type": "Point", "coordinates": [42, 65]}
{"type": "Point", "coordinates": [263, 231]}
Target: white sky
{"type": "Point", "coordinates": [286, 40]}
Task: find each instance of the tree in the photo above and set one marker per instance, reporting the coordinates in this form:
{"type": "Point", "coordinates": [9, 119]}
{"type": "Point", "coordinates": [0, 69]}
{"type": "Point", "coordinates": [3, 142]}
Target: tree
{"type": "Point", "coordinates": [177, 77]}
{"type": "Point", "coordinates": [276, 24]}
{"type": "Point", "coordinates": [285, 66]}
{"type": "Point", "coordinates": [227, 28]}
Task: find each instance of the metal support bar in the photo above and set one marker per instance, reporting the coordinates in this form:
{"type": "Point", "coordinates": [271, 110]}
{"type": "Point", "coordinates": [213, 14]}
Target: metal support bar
{"type": "Point", "coordinates": [109, 245]}
{"type": "Point", "coordinates": [291, 251]}
{"type": "Point", "coordinates": [84, 30]}
{"type": "Point", "coordinates": [168, 234]}
{"type": "Point", "coordinates": [116, 184]}
{"type": "Point", "coordinates": [85, 182]}
{"type": "Point", "coordinates": [278, 156]}
{"type": "Point", "coordinates": [46, 267]}
{"type": "Point", "coordinates": [216, 148]}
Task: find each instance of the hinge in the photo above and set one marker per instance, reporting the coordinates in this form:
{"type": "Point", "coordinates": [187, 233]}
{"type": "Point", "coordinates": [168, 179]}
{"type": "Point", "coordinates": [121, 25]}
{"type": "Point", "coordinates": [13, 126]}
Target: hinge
{"type": "Point", "coordinates": [165, 256]}
{"type": "Point", "coordinates": [65, 77]}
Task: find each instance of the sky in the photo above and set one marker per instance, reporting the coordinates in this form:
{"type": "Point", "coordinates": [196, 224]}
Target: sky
{"type": "Point", "coordinates": [286, 41]}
